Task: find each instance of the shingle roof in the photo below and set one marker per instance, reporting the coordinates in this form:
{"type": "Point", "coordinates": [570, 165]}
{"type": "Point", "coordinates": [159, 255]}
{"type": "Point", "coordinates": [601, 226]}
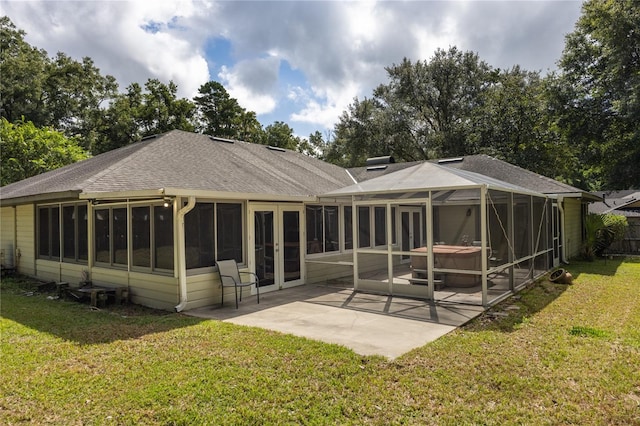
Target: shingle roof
{"type": "Point", "coordinates": [189, 161]}
{"type": "Point", "coordinates": [625, 203]}
{"type": "Point", "coordinates": [510, 173]}
{"type": "Point", "coordinates": [360, 174]}
{"type": "Point", "coordinates": [484, 165]}
{"type": "Point", "coordinates": [425, 175]}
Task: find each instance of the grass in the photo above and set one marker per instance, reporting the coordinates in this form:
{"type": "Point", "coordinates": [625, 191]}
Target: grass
{"type": "Point", "coordinates": [553, 354]}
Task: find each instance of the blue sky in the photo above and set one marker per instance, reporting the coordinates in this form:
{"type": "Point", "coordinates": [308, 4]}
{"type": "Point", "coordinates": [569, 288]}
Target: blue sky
{"type": "Point", "coordinates": [300, 62]}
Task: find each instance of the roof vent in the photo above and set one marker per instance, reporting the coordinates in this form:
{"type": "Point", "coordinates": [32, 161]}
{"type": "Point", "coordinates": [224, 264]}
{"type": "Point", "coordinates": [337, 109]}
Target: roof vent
{"type": "Point", "coordinates": [276, 148]}
{"type": "Point", "coordinates": [216, 139]}
{"type": "Point", "coordinates": [378, 167]}
{"type": "Point", "coordinates": [146, 138]}
{"type": "Point", "coordinates": [451, 160]}
{"type": "Point", "coordinates": [373, 161]}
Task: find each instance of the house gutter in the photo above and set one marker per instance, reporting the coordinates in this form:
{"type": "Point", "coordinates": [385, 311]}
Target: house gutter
{"type": "Point", "coordinates": [563, 232]}
{"type": "Point", "coordinates": [182, 263]}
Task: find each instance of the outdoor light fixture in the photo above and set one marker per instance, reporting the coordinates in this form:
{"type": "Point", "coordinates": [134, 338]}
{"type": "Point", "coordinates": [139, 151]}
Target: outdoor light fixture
{"type": "Point", "coordinates": [168, 201]}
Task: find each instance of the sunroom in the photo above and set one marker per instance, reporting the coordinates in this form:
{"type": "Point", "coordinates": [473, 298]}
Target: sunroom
{"type": "Point", "coordinates": [446, 235]}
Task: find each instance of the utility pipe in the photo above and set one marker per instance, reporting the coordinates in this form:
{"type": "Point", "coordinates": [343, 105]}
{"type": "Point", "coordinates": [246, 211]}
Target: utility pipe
{"type": "Point", "coordinates": [182, 263]}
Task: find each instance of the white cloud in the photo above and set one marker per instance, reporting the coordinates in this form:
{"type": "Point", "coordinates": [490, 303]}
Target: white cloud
{"type": "Point", "coordinates": [339, 48]}
{"type": "Point", "coordinates": [253, 83]}
{"type": "Point", "coordinates": [113, 35]}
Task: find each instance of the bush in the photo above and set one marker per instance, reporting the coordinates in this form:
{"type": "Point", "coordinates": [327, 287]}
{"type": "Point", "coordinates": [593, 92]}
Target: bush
{"type": "Point", "coordinates": [602, 230]}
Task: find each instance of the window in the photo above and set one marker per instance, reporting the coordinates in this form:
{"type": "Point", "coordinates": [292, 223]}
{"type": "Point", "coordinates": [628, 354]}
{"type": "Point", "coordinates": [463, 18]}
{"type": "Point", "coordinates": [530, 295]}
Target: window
{"type": "Point", "coordinates": [323, 229]}
{"type": "Point", "coordinates": [69, 232]}
{"type": "Point", "coordinates": [229, 231]}
{"type": "Point", "coordinates": [380, 225]}
{"type": "Point", "coordinates": [348, 228]}
{"type": "Point", "coordinates": [74, 233]}
{"type": "Point", "coordinates": [198, 226]}
{"type": "Point", "coordinates": [151, 237]}
{"type": "Point", "coordinates": [364, 227]}
{"type": "Point", "coordinates": [82, 223]}
{"type": "Point", "coordinates": [102, 230]}
{"type": "Point", "coordinates": [394, 231]}
{"type": "Point", "coordinates": [120, 237]}
{"type": "Point", "coordinates": [111, 231]}
{"type": "Point", "coordinates": [141, 236]}
{"type": "Point", "coordinates": [163, 237]}
{"type": "Point", "coordinates": [214, 231]}
{"type": "Point", "coordinates": [315, 229]}
{"type": "Point", "coordinates": [49, 232]}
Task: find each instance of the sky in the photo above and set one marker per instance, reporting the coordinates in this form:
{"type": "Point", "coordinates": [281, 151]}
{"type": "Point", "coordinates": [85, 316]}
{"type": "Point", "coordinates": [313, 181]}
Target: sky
{"type": "Point", "coordinates": [299, 62]}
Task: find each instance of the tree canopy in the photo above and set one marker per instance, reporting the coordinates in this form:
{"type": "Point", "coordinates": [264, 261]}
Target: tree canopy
{"type": "Point", "coordinates": [78, 101]}
{"type": "Point", "coordinates": [599, 110]}
{"type": "Point", "coordinates": [28, 150]}
{"type": "Point", "coordinates": [580, 124]}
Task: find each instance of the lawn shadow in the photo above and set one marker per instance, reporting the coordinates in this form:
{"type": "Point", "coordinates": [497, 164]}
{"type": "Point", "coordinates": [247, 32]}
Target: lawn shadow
{"type": "Point", "coordinates": [601, 266]}
{"type": "Point", "coordinates": [79, 322]}
{"type": "Point", "coordinates": [509, 314]}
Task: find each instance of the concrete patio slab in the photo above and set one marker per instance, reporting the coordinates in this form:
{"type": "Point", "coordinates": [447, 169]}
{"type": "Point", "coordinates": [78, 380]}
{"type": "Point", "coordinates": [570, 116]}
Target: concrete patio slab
{"type": "Point", "coordinates": [369, 324]}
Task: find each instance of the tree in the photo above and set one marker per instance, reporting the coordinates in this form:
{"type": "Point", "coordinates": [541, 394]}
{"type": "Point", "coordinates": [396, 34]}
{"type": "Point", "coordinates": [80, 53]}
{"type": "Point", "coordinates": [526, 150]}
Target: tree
{"type": "Point", "coordinates": [249, 129]}
{"type": "Point", "coordinates": [138, 113]}
{"type": "Point", "coordinates": [22, 71]}
{"type": "Point", "coordinates": [424, 111]}
{"type": "Point", "coordinates": [601, 68]}
{"type": "Point", "coordinates": [73, 93]}
{"type": "Point", "coordinates": [280, 135]}
{"type": "Point", "coordinates": [60, 92]}
{"type": "Point", "coordinates": [219, 114]}
{"type": "Point", "coordinates": [358, 135]}
{"type": "Point", "coordinates": [428, 104]}
{"type": "Point", "coordinates": [120, 124]}
{"type": "Point", "coordinates": [512, 123]}
{"type": "Point", "coordinates": [28, 150]}
{"type": "Point", "coordinates": [161, 110]}
{"type": "Point", "coordinates": [315, 146]}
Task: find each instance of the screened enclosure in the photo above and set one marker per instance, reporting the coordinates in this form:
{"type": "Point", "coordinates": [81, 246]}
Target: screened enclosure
{"type": "Point", "coordinates": [447, 235]}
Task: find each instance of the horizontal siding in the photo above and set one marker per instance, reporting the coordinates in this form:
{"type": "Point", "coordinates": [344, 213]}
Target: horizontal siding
{"type": "Point", "coordinates": [455, 224]}
{"type": "Point", "coordinates": [105, 276]}
{"type": "Point", "coordinates": [203, 290]}
{"type": "Point", "coordinates": [48, 270]}
{"type": "Point", "coordinates": [7, 235]}
{"type": "Point", "coordinates": [156, 291]}
{"type": "Point", "coordinates": [573, 227]}
{"type": "Point", "coordinates": [72, 273]}
{"type": "Point", "coordinates": [323, 272]}
{"type": "Point", "coordinates": [25, 236]}
{"type": "Point", "coordinates": [152, 290]}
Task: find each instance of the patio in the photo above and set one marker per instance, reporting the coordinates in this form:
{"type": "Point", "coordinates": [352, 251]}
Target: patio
{"type": "Point", "coordinates": [369, 324]}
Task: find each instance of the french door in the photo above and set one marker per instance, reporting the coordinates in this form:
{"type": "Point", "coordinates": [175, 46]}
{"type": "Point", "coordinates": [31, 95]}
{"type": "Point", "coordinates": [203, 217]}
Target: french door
{"type": "Point", "coordinates": [410, 229]}
{"type": "Point", "coordinates": [276, 242]}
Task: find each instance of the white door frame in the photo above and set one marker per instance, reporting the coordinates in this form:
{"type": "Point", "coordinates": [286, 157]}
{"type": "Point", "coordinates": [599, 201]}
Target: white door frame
{"type": "Point", "coordinates": [556, 232]}
{"type": "Point", "coordinates": [410, 210]}
{"type": "Point", "coordinates": [279, 275]}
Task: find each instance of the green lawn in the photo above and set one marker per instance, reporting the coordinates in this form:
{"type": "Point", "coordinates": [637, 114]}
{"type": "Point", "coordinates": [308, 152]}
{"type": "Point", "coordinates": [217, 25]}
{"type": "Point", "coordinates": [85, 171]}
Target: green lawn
{"type": "Point", "coordinates": [554, 354]}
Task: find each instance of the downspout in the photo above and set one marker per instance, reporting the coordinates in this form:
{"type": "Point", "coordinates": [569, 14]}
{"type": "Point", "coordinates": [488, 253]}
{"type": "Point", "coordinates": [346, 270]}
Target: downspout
{"type": "Point", "coordinates": [182, 263]}
{"type": "Point", "coordinates": [563, 254]}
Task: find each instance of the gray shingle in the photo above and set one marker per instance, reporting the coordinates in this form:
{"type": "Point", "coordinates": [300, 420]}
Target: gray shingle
{"type": "Point", "coordinates": [189, 161]}
{"type": "Point", "coordinates": [484, 165]}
